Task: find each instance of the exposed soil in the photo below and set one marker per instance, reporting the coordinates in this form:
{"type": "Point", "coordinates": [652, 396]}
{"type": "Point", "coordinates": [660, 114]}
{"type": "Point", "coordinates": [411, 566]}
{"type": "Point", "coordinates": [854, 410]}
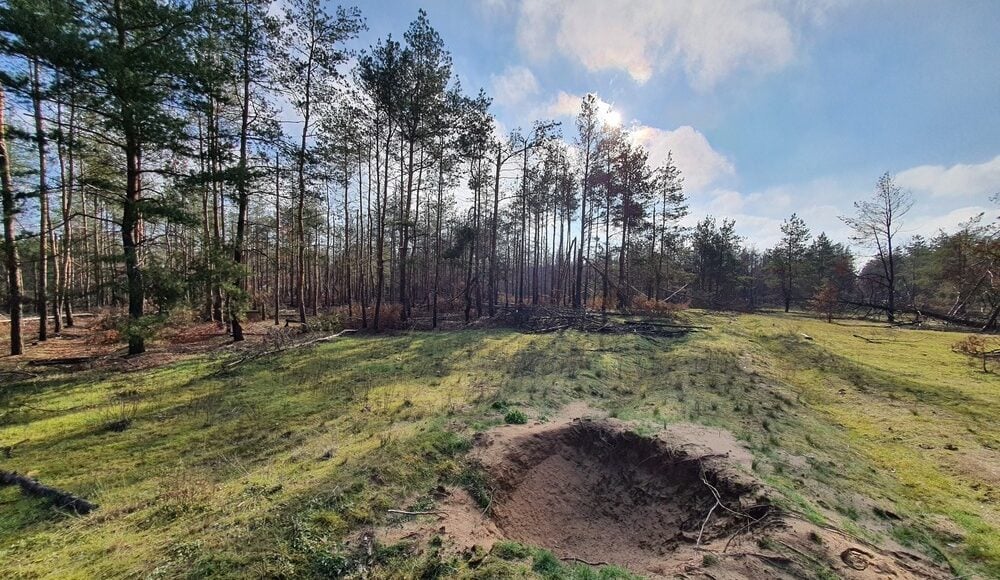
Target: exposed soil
{"type": "Point", "coordinates": [597, 491]}
{"type": "Point", "coordinates": [679, 504]}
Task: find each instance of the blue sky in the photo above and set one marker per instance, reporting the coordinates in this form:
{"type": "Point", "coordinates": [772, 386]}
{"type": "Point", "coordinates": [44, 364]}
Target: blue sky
{"type": "Point", "coordinates": [769, 107]}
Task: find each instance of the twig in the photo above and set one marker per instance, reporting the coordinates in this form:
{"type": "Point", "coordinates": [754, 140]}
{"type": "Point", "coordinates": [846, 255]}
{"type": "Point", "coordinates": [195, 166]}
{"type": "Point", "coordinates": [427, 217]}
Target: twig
{"type": "Point", "coordinates": [582, 561]}
{"type": "Point", "coordinates": [408, 513]}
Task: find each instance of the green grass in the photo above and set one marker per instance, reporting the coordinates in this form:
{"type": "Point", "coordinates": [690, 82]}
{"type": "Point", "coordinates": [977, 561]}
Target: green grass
{"type": "Point", "coordinates": [275, 468]}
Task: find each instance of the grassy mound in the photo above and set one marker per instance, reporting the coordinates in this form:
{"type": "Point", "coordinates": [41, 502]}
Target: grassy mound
{"type": "Point", "coordinates": [277, 466]}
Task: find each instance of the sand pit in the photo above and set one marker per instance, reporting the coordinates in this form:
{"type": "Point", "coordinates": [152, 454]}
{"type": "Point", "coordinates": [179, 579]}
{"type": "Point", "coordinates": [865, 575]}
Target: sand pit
{"type": "Point", "coordinates": [595, 491]}
{"type": "Point", "coordinates": [592, 490]}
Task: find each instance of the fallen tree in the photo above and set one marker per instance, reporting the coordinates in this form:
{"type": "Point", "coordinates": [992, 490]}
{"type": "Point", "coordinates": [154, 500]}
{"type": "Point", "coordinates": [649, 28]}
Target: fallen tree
{"type": "Point", "coordinates": [59, 498]}
{"type": "Point", "coordinates": [928, 313]}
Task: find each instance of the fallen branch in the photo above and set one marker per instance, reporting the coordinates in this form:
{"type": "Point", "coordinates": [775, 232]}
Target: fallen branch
{"type": "Point", "coordinates": [8, 450]}
{"type": "Point", "coordinates": [44, 410]}
{"type": "Point", "coordinates": [61, 499]}
{"type": "Point", "coordinates": [257, 355]}
{"type": "Point", "coordinates": [322, 338]}
{"type": "Point", "coordinates": [18, 372]}
{"type": "Point", "coordinates": [582, 561]}
{"type": "Point", "coordinates": [408, 513]}
{"type": "Point", "coordinates": [70, 360]}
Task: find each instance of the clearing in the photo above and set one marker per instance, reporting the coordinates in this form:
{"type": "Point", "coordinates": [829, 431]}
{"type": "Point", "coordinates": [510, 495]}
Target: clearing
{"type": "Point", "coordinates": [764, 446]}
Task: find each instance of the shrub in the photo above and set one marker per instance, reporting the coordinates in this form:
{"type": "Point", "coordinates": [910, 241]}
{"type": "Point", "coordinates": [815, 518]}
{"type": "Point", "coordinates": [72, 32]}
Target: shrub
{"type": "Point", "coordinates": [663, 307]}
{"type": "Point", "coordinates": [976, 345]}
{"type": "Point", "coordinates": [546, 564]}
{"type": "Point", "coordinates": [515, 417]}
{"type": "Point", "coordinates": [330, 322]}
{"type": "Point", "coordinates": [390, 316]}
{"type": "Point", "coordinates": [511, 551]}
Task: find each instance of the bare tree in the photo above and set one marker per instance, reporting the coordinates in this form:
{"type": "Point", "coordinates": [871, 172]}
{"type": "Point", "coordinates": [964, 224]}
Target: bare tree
{"type": "Point", "coordinates": [876, 223]}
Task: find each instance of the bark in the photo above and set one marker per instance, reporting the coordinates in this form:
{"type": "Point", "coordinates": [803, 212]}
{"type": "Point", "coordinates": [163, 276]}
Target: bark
{"type": "Point", "coordinates": [437, 253]}
{"type": "Point", "coordinates": [347, 242]}
{"type": "Point", "coordinates": [380, 244]}
{"type": "Point", "coordinates": [41, 284]}
{"type": "Point", "coordinates": [129, 232]}
{"type": "Point", "coordinates": [67, 204]}
{"type": "Point", "coordinates": [579, 300]}
{"type": "Point", "coordinates": [12, 261]}
{"type": "Point", "coordinates": [277, 238]}
{"type": "Point", "coordinates": [404, 242]}
{"type": "Point", "coordinates": [242, 191]}
{"type": "Point", "coordinates": [494, 226]}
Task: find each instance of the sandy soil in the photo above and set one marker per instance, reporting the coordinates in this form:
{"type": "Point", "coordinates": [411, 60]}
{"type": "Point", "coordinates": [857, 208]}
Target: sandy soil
{"type": "Point", "coordinates": [591, 490]}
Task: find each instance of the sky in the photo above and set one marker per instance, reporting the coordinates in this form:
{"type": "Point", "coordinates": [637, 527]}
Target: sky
{"type": "Point", "coordinates": [768, 106]}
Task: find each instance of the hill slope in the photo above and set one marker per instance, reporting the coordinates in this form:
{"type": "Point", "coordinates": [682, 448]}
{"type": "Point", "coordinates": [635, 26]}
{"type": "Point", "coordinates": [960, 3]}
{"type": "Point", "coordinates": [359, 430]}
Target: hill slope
{"type": "Point", "coordinates": [276, 467]}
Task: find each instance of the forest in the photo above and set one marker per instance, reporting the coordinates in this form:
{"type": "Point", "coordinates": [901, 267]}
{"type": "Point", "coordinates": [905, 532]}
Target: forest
{"type": "Point", "coordinates": [282, 306]}
{"type": "Point", "coordinates": [146, 169]}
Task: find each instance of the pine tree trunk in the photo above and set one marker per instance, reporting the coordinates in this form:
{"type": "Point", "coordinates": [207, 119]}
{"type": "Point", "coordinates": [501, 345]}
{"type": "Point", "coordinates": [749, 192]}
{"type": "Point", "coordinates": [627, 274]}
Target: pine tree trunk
{"type": "Point", "coordinates": [242, 190]}
{"type": "Point", "coordinates": [41, 284]}
{"type": "Point", "coordinates": [404, 241]}
{"type": "Point", "coordinates": [12, 262]}
{"type": "Point", "coordinates": [67, 207]}
{"type": "Point", "coordinates": [277, 239]}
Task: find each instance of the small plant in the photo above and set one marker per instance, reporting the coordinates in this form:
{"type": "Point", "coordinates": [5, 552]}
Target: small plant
{"type": "Point", "coordinates": [511, 551]}
{"type": "Point", "coordinates": [515, 417]}
{"type": "Point", "coordinates": [330, 322]}
{"type": "Point", "coordinates": [709, 560]}
{"type": "Point", "coordinates": [119, 416]}
{"type": "Point", "coordinates": [545, 563]}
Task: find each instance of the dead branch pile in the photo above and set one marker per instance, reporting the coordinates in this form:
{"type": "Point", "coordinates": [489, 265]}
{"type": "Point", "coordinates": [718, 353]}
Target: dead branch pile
{"type": "Point", "coordinates": [543, 319]}
{"type": "Point", "coordinates": [61, 499]}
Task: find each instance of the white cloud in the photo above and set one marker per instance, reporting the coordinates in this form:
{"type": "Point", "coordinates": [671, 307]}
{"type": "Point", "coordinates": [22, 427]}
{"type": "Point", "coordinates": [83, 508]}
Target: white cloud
{"type": "Point", "coordinates": [568, 105]}
{"type": "Point", "coordinates": [929, 225]}
{"type": "Point", "coordinates": [514, 85]}
{"type": "Point", "coordinates": [700, 164]}
{"type": "Point", "coordinates": [564, 105]}
{"type": "Point", "coordinates": [726, 202]}
{"type": "Point", "coordinates": [958, 180]}
{"type": "Point", "coordinates": [495, 5]}
{"type": "Point", "coordinates": [709, 39]}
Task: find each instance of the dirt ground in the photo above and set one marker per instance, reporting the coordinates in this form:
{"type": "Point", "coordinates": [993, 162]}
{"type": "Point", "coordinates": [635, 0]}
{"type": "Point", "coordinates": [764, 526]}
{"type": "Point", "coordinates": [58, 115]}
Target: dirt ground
{"type": "Point", "coordinates": [681, 503]}
{"type": "Point", "coordinates": [87, 344]}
